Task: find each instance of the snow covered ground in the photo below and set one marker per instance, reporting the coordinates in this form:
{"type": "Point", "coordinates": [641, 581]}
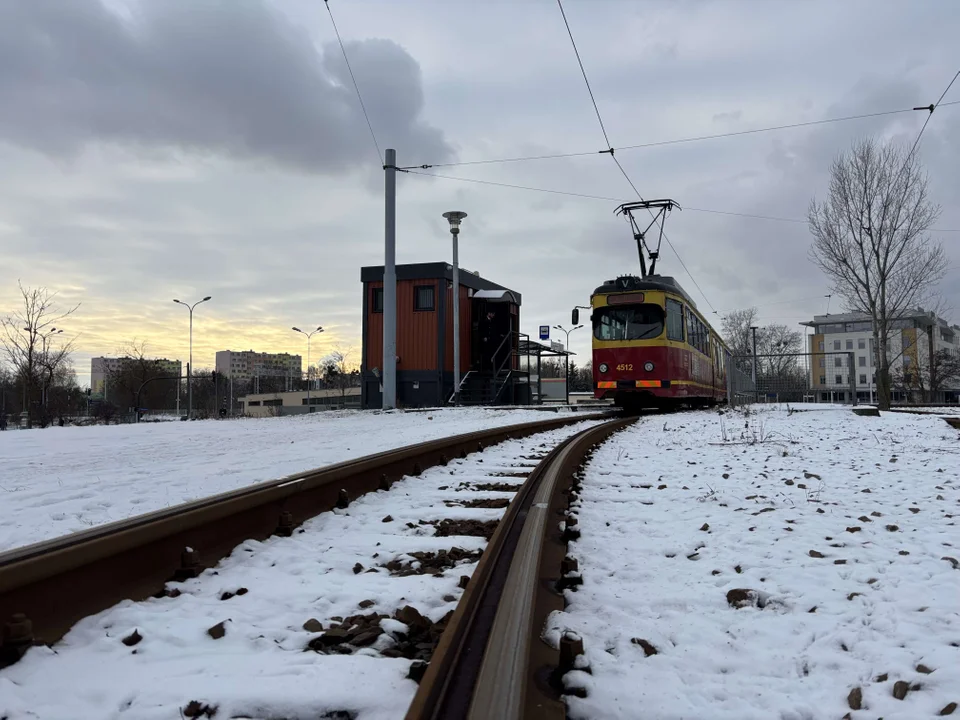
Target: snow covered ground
{"type": "Point", "coordinates": [842, 530]}
{"type": "Point", "coordinates": [262, 666]}
{"type": "Point", "coordinates": [59, 480]}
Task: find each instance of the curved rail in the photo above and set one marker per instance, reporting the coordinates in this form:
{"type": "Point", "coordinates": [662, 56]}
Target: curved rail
{"type": "Point", "coordinates": [46, 587]}
{"type": "Point", "coordinates": [490, 663]}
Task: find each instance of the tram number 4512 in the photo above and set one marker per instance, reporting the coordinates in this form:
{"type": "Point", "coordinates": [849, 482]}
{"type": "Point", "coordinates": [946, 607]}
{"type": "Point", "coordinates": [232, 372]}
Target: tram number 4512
{"type": "Point", "coordinates": [625, 367]}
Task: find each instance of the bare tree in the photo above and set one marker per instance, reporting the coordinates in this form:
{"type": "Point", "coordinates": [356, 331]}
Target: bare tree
{"type": "Point", "coordinates": [30, 344]}
{"type": "Point", "coordinates": [735, 328]}
{"type": "Point", "coordinates": [338, 371]}
{"type": "Point", "coordinates": [137, 373]}
{"type": "Point", "coordinates": [870, 237]}
{"type": "Point", "coordinates": [777, 346]}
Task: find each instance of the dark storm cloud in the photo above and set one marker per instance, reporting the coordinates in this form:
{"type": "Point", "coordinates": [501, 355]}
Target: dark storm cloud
{"type": "Point", "coordinates": [232, 78]}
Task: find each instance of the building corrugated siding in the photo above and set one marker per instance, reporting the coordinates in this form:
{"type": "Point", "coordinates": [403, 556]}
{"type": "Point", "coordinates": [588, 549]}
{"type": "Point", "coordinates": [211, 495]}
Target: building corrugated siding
{"type": "Point", "coordinates": [416, 329]}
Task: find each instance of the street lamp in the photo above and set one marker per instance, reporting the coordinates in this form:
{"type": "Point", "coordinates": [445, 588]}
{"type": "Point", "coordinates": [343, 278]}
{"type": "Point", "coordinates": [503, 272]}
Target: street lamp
{"type": "Point", "coordinates": [566, 358]}
{"type": "Point", "coordinates": [43, 338]}
{"type": "Point", "coordinates": [309, 335]}
{"type": "Point", "coordinates": [454, 217]}
{"type": "Point", "coordinates": [756, 391]}
{"type": "Point", "coordinates": [190, 363]}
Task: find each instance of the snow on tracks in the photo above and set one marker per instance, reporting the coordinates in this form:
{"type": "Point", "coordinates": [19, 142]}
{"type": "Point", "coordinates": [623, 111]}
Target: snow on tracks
{"type": "Point", "coordinates": [57, 481]}
{"type": "Point", "coordinates": [843, 527]}
{"type": "Point", "coordinates": [263, 665]}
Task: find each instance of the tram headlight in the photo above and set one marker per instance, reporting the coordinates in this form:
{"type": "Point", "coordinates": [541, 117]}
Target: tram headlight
{"type": "Point", "coordinates": [648, 366]}
{"type": "Point", "coordinates": [604, 367]}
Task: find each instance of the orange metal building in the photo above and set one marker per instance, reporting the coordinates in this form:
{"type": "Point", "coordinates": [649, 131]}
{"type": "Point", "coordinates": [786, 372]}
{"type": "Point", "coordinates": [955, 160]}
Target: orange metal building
{"type": "Point", "coordinates": [489, 337]}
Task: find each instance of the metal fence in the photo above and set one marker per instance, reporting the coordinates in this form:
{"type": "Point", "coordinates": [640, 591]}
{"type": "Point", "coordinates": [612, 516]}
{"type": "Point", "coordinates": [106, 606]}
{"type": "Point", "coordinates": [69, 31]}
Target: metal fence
{"type": "Point", "coordinates": [830, 377]}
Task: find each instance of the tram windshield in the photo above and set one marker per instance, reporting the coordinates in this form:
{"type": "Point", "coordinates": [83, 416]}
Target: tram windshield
{"type": "Point", "coordinates": [630, 322]}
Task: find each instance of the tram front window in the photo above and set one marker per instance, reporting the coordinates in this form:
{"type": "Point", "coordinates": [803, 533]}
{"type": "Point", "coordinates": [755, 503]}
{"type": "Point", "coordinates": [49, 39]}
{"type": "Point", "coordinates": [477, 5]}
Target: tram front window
{"type": "Point", "coordinates": [631, 322]}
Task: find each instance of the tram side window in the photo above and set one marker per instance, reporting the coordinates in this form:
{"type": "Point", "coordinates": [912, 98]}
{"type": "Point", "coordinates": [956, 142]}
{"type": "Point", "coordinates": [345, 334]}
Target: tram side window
{"type": "Point", "coordinates": [674, 320]}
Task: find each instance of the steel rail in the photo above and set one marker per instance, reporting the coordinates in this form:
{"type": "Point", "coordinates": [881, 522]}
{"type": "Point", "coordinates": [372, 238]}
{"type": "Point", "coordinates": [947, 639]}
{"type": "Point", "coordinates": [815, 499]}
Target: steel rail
{"type": "Point", "coordinates": [490, 663]}
{"type": "Point", "coordinates": [47, 587]}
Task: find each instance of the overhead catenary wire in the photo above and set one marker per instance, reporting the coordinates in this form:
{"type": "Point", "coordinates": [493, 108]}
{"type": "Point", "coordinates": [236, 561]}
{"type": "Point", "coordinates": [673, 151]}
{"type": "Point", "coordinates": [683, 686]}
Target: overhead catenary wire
{"type": "Point", "coordinates": [612, 153]}
{"type": "Point", "coordinates": [608, 198]}
{"type": "Point", "coordinates": [356, 87]}
{"type": "Point", "coordinates": [674, 141]}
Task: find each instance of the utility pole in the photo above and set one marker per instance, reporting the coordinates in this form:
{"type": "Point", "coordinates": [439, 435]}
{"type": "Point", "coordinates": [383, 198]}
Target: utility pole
{"type": "Point", "coordinates": [454, 217]}
{"type": "Point", "coordinates": [389, 394]}
{"type": "Point", "coordinates": [190, 364]}
{"type": "Point", "coordinates": [756, 392]}
{"type": "Point", "coordinates": [566, 358]}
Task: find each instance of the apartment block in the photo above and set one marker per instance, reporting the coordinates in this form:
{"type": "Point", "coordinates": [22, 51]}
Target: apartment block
{"type": "Point", "coordinates": [843, 344]}
{"type": "Point", "coordinates": [102, 367]}
{"type": "Point", "coordinates": [249, 364]}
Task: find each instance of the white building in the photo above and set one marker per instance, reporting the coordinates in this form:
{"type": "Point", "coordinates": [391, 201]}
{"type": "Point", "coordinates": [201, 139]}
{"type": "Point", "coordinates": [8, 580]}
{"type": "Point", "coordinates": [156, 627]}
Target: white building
{"type": "Point", "coordinates": [102, 367]}
{"type": "Point", "coordinates": [248, 365]}
{"type": "Point", "coordinates": [913, 339]}
{"type": "Point", "coordinates": [295, 403]}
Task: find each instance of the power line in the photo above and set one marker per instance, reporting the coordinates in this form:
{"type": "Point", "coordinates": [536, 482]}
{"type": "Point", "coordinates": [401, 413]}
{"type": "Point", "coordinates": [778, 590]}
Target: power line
{"type": "Point", "coordinates": [585, 80]}
{"type": "Point", "coordinates": [354, 79]}
{"type": "Point", "coordinates": [607, 198]}
{"type": "Point", "coordinates": [675, 141]}
{"type": "Point", "coordinates": [513, 187]}
{"type": "Point", "coordinates": [611, 151]}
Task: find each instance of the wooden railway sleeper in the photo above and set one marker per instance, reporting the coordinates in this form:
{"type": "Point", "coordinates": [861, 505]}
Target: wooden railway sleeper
{"type": "Point", "coordinates": [16, 638]}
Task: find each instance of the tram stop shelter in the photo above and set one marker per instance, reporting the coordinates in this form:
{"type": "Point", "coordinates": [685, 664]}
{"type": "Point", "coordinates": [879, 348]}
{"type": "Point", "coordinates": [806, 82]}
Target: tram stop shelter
{"type": "Point", "coordinates": [531, 355]}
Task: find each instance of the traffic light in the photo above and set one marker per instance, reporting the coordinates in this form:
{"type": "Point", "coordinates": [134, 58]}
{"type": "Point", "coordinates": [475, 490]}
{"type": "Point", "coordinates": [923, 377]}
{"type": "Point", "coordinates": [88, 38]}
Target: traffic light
{"type": "Point", "coordinates": [213, 376]}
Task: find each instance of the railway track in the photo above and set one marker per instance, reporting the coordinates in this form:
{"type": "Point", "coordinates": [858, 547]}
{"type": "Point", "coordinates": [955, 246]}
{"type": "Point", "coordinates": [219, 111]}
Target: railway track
{"type": "Point", "coordinates": [47, 587]}
{"type": "Point", "coordinates": [486, 659]}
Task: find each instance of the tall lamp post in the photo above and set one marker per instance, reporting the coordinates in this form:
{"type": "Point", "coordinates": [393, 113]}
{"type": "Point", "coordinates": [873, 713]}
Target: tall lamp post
{"type": "Point", "coordinates": [756, 390]}
{"type": "Point", "coordinates": [566, 358]}
{"type": "Point", "coordinates": [454, 217]}
{"type": "Point", "coordinates": [190, 363]}
{"type": "Point", "coordinates": [309, 335]}
{"type": "Point", "coordinates": [43, 339]}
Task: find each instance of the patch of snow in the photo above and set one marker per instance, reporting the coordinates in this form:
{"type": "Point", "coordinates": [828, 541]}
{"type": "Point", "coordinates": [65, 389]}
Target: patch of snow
{"type": "Point", "coordinates": [262, 666]}
{"type": "Point", "coordinates": [57, 481]}
{"type": "Point", "coordinates": [840, 527]}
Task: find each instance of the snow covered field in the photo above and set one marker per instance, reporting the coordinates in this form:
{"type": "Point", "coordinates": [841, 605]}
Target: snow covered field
{"type": "Point", "coordinates": [841, 530]}
{"type": "Point", "coordinates": [59, 480]}
{"type": "Point", "coordinates": [262, 666]}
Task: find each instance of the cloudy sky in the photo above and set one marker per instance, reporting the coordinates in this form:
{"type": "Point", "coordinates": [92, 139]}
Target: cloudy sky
{"type": "Point", "coordinates": [155, 149]}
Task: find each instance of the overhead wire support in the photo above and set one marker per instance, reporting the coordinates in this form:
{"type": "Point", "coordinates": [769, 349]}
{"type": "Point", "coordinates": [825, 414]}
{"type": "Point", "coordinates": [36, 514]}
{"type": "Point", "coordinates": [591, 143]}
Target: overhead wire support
{"type": "Point", "coordinates": [356, 87]}
{"type": "Point", "coordinates": [930, 109]}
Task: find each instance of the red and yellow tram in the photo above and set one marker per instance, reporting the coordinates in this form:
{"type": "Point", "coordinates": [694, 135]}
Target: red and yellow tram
{"type": "Point", "coordinates": [652, 347]}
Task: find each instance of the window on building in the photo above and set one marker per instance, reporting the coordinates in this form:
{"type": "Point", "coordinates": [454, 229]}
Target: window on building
{"type": "Point", "coordinates": [823, 379]}
{"type": "Point", "coordinates": [823, 362]}
{"type": "Point", "coordinates": [836, 344]}
{"type": "Point", "coordinates": [862, 361]}
{"type": "Point", "coordinates": [830, 328]}
{"type": "Point", "coordinates": [838, 362]}
{"type": "Point", "coordinates": [839, 380]}
{"type": "Point", "coordinates": [820, 346]}
{"type": "Point", "coordinates": [907, 360]}
{"type": "Point", "coordinates": [254, 403]}
{"type": "Point", "coordinates": [863, 379]}
{"type": "Point", "coordinates": [674, 320]}
{"type": "Point", "coordinates": [376, 299]}
{"type": "Point", "coordinates": [275, 402]}
{"type": "Point", "coordinates": [423, 297]}
{"type": "Point", "coordinates": [849, 344]}
{"type": "Point", "coordinates": [861, 344]}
